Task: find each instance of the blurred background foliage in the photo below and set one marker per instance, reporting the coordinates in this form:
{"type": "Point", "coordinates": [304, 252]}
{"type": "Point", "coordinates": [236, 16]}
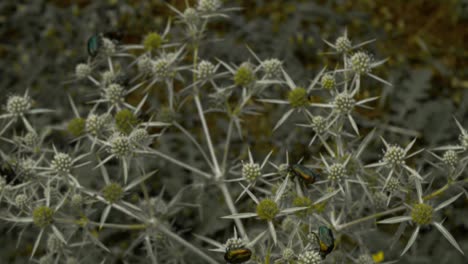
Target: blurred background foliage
{"type": "Point", "coordinates": [425, 41]}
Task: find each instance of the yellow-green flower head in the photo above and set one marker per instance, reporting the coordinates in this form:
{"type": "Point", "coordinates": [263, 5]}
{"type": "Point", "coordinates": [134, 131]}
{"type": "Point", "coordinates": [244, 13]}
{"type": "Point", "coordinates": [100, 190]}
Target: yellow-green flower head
{"type": "Point", "coordinates": [267, 209]}
{"type": "Point", "coordinates": [395, 155]}
{"type": "Point", "coordinates": [76, 126]}
{"type": "Point", "coordinates": [166, 115]}
{"type": "Point", "coordinates": [244, 75]}
{"type": "Point", "coordinates": [82, 70]}
{"type": "Point", "coordinates": [361, 63]}
{"type": "Point", "coordinates": [125, 121]}
{"type": "Point", "coordinates": [152, 41]}
{"type": "Point", "coordinates": [344, 103]}
{"type": "Point", "coordinates": [450, 158]}
{"type": "Point", "coordinates": [328, 81]}
{"type": "Point", "coordinates": [343, 44]}
{"type": "Point", "coordinates": [251, 171]}
{"type": "Point", "coordinates": [43, 216]}
{"type": "Point", "coordinates": [302, 201]}
{"type": "Point", "coordinates": [298, 97]}
{"type": "Point", "coordinates": [62, 163]}
{"type": "Point", "coordinates": [18, 105]}
{"type": "Point", "coordinates": [113, 192]}
{"type": "Point", "coordinates": [309, 257]}
{"type": "Point", "coordinates": [421, 214]}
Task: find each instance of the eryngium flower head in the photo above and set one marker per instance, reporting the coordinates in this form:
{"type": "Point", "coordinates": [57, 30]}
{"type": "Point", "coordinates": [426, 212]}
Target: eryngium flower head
{"type": "Point", "coordinates": [76, 201]}
{"type": "Point", "coordinates": [244, 75]}
{"type": "Point", "coordinates": [114, 93]}
{"type": "Point", "coordinates": [344, 103]}
{"type": "Point", "coordinates": [421, 214]}
{"type": "Point", "coordinates": [152, 41]}
{"type": "Point", "coordinates": [166, 115]}
{"type": "Point", "coordinates": [191, 16]}
{"type": "Point", "coordinates": [82, 70]}
{"type": "Point", "coordinates": [288, 254]}
{"type": "Point", "coordinates": [31, 139]}
{"type": "Point", "coordinates": [54, 244]}
{"type": "Point", "coordinates": [336, 172]}
{"type": "Point", "coordinates": [162, 68]}
{"type": "Point", "coordinates": [125, 121]}
{"type": "Point", "coordinates": [328, 81]}
{"type": "Point", "coordinates": [18, 105]}
{"type": "Point", "coordinates": [209, 5]}
{"type": "Point", "coordinates": [450, 158]}
{"type": "Point", "coordinates": [394, 155]}
{"type": "Point", "coordinates": [21, 200]}
{"type": "Point", "coordinates": [463, 138]}
{"type": "Point", "coordinates": [62, 163]}
{"type": "Point", "coordinates": [343, 44]}
{"type": "Point", "coordinates": [140, 136]}
{"type": "Point", "coordinates": [145, 64]}
{"type": "Point", "coordinates": [302, 201]}
{"type": "Point", "coordinates": [234, 243]}
{"type": "Point", "coordinates": [319, 124]}
{"type": "Point", "coordinates": [380, 200]}
{"type": "Point", "coordinates": [205, 70]}
{"type": "Point", "coordinates": [267, 209]}
{"type": "Point", "coordinates": [309, 257]}
{"type": "Point", "coordinates": [121, 146]}
{"type": "Point", "coordinates": [298, 97]}
{"type": "Point", "coordinates": [108, 46]}
{"type": "Point", "coordinates": [365, 259]}
{"type": "Point", "coordinates": [251, 171]}
{"type": "Point", "coordinates": [43, 216]}
{"type": "Point", "coordinates": [361, 62]}
{"type": "Point", "coordinates": [94, 123]}
{"type": "Point", "coordinates": [113, 192]}
{"type": "Point", "coordinates": [393, 184]}
{"type": "Point", "coordinates": [272, 68]}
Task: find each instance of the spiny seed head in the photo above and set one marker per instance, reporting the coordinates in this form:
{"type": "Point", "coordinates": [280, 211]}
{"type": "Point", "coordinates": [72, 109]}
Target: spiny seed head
{"type": "Point", "coordinates": [234, 243]}
{"type": "Point", "coordinates": [251, 171]}
{"type": "Point", "coordinates": [288, 254]}
{"type": "Point", "coordinates": [140, 136]}
{"type": "Point", "coordinates": [95, 123]}
{"type": "Point", "coordinates": [343, 44]}
{"type": "Point", "coordinates": [365, 259]}
{"type": "Point", "coordinates": [205, 70]}
{"type": "Point", "coordinates": [361, 62]}
{"type": "Point", "coordinates": [114, 93]}
{"type": "Point", "coordinates": [76, 126]}
{"type": "Point", "coordinates": [393, 185]}
{"type": "Point", "coordinates": [125, 120]}
{"type": "Point", "coordinates": [43, 216]}
{"type": "Point", "coordinates": [328, 81]}
{"type": "Point", "coordinates": [54, 244]}
{"type": "Point", "coordinates": [152, 41]}
{"type": "Point", "coordinates": [394, 156]}
{"type": "Point", "coordinates": [272, 68]}
{"type": "Point", "coordinates": [244, 75]}
{"type": "Point", "coordinates": [121, 146]}
{"type": "Point", "coordinates": [336, 172]}
{"type": "Point", "coordinates": [450, 158]}
{"type": "Point", "coordinates": [302, 201]}
{"type": "Point", "coordinates": [76, 201]}
{"type": "Point", "coordinates": [209, 5]}
{"type": "Point", "coordinates": [62, 163]}
{"type": "Point", "coordinates": [108, 46]}
{"type": "Point", "coordinates": [380, 200]}
{"type": "Point", "coordinates": [298, 97]}
{"type": "Point", "coordinates": [31, 139]}
{"type": "Point", "coordinates": [344, 103]}
{"type": "Point", "coordinates": [82, 70]}
{"type": "Point", "coordinates": [145, 64]}
{"type": "Point", "coordinates": [309, 257]}
{"type": "Point", "coordinates": [21, 200]}
{"type": "Point", "coordinates": [267, 209]}
{"type": "Point", "coordinates": [319, 124]}
{"type": "Point", "coordinates": [18, 105]}
{"type": "Point", "coordinates": [421, 214]}
{"type": "Point", "coordinates": [162, 68]}
{"type": "Point", "coordinates": [113, 192]}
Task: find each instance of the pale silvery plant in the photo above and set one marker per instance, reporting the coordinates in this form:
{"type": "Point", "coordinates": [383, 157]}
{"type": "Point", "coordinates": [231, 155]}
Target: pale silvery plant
{"type": "Point", "coordinates": [118, 130]}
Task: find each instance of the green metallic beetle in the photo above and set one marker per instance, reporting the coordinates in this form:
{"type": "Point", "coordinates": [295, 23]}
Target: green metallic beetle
{"type": "Point", "coordinates": [238, 255]}
{"type": "Point", "coordinates": [94, 44]}
{"type": "Point", "coordinates": [326, 240]}
{"type": "Point", "coordinates": [306, 175]}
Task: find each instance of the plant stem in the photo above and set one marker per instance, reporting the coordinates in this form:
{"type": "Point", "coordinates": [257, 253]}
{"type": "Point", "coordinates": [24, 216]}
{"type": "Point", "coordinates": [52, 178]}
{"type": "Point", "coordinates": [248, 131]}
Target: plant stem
{"type": "Point", "coordinates": [232, 208]}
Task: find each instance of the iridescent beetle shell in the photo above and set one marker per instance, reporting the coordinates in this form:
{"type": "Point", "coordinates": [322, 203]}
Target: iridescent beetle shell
{"type": "Point", "coordinates": [326, 240]}
{"type": "Point", "coordinates": [305, 174]}
{"type": "Point", "coordinates": [238, 255]}
{"type": "Point", "coordinates": [94, 43]}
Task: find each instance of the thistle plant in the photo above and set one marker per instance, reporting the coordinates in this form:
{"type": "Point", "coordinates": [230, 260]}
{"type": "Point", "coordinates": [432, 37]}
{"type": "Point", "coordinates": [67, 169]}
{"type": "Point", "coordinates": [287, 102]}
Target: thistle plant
{"type": "Point", "coordinates": [161, 157]}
